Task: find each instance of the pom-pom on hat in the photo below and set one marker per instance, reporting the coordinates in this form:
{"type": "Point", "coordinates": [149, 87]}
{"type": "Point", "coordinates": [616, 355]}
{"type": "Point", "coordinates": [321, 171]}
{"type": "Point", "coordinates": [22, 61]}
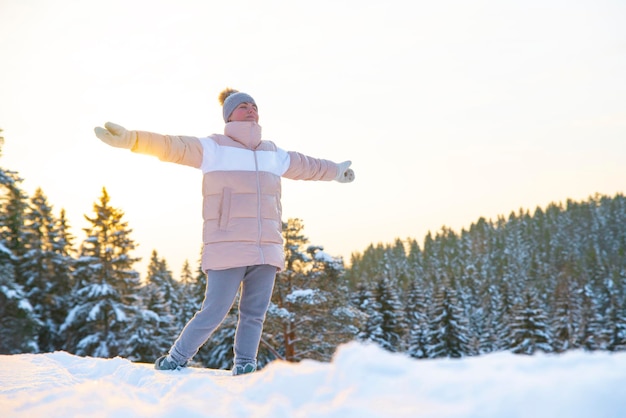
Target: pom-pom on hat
{"type": "Point", "coordinates": [230, 99]}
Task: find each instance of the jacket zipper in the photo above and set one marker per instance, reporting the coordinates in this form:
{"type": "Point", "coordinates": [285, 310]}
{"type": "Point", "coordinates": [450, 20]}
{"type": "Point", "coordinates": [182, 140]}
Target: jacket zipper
{"type": "Point", "coordinates": [258, 208]}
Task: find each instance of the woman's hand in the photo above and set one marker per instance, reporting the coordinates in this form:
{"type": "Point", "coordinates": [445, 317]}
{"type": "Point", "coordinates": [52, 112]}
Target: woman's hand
{"type": "Point", "coordinates": [344, 173]}
{"type": "Point", "coordinates": [115, 135]}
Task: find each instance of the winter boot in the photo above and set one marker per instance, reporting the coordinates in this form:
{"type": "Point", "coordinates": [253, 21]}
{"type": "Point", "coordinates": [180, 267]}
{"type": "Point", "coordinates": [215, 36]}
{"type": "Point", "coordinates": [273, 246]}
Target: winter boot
{"type": "Point", "coordinates": [167, 363]}
{"type": "Point", "coordinates": [243, 369]}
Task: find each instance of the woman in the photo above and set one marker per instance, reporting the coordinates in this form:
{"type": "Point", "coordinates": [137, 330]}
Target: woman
{"type": "Point", "coordinates": [242, 232]}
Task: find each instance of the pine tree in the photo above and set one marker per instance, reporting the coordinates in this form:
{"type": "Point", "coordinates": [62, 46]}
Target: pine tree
{"type": "Point", "coordinates": [416, 312]}
{"type": "Point", "coordinates": [366, 302]}
{"type": "Point", "coordinates": [530, 329]}
{"type": "Point", "coordinates": [106, 296]}
{"type": "Point", "coordinates": [566, 319]}
{"type": "Point", "coordinates": [496, 334]}
{"type": "Point", "coordinates": [310, 313]}
{"type": "Point", "coordinates": [160, 275]}
{"type": "Point", "coordinates": [327, 317]}
{"type": "Point", "coordinates": [367, 267]}
{"type": "Point", "coordinates": [615, 319]}
{"type": "Point", "coordinates": [389, 332]}
{"type": "Point", "coordinates": [449, 332]}
{"type": "Point", "coordinates": [18, 324]}
{"type": "Point", "coordinates": [282, 322]}
{"type": "Point", "coordinates": [616, 327]}
{"type": "Point", "coordinates": [591, 333]}
{"type": "Point", "coordinates": [46, 268]}
{"type": "Point", "coordinates": [14, 203]}
{"type": "Point", "coordinates": [154, 327]}
{"type": "Point", "coordinates": [396, 265]}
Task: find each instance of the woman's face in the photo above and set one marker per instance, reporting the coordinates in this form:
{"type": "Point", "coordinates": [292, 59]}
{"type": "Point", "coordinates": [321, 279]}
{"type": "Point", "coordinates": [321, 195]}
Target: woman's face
{"type": "Point", "coordinates": [245, 112]}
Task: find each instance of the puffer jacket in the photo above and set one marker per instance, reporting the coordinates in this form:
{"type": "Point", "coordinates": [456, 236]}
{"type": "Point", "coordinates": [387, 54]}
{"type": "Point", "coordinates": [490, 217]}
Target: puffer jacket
{"type": "Point", "coordinates": [241, 189]}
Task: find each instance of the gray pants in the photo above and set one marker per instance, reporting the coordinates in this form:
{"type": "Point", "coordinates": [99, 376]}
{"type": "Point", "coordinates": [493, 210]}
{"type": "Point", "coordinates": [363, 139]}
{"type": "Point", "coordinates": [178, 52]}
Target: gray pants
{"type": "Point", "coordinates": [256, 283]}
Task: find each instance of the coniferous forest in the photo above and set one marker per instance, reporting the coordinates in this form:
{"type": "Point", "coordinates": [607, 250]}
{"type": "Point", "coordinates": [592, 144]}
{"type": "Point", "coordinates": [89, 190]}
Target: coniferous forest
{"type": "Point", "coordinates": [550, 280]}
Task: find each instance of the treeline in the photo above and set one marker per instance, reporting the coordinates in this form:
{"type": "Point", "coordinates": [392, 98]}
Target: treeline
{"type": "Point", "coordinates": [552, 280]}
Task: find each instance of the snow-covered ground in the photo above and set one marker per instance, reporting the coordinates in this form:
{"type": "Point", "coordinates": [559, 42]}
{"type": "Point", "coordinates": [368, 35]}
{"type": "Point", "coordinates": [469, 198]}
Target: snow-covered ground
{"type": "Point", "coordinates": [361, 381]}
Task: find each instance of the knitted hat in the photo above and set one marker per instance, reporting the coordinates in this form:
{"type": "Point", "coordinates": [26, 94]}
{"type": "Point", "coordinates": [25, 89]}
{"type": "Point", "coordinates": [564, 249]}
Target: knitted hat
{"type": "Point", "coordinates": [230, 99]}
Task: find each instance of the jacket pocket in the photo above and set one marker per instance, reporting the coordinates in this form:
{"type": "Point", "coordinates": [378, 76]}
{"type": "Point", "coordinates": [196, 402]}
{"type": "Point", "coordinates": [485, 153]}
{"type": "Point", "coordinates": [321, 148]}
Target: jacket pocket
{"type": "Point", "coordinates": [225, 208]}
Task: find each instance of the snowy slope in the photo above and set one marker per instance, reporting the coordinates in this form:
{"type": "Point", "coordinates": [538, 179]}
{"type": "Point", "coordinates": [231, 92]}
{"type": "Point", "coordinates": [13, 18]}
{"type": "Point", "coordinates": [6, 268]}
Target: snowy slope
{"type": "Point", "coordinates": [361, 381]}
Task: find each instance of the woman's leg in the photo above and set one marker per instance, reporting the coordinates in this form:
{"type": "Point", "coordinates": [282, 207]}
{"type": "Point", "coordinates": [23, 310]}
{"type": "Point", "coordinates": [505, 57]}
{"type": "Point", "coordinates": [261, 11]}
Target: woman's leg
{"type": "Point", "coordinates": [221, 289]}
{"type": "Point", "coordinates": [256, 293]}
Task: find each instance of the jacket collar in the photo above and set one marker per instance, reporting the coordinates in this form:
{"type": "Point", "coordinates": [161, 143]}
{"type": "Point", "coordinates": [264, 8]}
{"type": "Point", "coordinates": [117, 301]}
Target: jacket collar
{"type": "Point", "coordinates": [246, 133]}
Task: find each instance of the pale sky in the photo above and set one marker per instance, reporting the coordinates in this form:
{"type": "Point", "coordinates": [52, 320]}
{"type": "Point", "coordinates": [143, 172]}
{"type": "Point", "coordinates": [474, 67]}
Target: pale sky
{"type": "Point", "coordinates": [449, 110]}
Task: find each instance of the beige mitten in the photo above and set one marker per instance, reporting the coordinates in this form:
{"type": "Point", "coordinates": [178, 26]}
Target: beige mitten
{"type": "Point", "coordinates": [116, 135]}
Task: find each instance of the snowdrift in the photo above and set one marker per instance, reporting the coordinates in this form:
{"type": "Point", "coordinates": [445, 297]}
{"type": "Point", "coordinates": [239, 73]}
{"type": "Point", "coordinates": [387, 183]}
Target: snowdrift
{"type": "Point", "coordinates": [362, 381]}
